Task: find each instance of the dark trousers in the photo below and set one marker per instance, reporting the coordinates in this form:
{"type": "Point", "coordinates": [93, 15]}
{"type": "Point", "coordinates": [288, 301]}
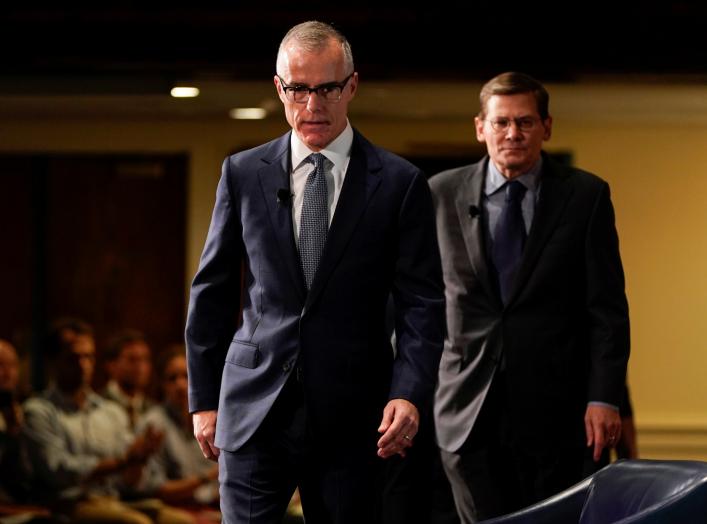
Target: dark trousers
{"type": "Point", "coordinates": [416, 490]}
{"type": "Point", "coordinates": [495, 473]}
{"type": "Point", "coordinates": [339, 483]}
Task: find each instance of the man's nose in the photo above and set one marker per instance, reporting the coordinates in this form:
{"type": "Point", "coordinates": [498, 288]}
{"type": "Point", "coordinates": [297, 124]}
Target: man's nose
{"type": "Point", "coordinates": [513, 132]}
{"type": "Point", "coordinates": [314, 102]}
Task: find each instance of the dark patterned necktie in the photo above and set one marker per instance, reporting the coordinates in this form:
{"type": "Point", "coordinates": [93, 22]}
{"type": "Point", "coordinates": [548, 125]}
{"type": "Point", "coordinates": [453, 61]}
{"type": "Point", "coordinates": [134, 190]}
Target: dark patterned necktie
{"type": "Point", "coordinates": [509, 238]}
{"type": "Point", "coordinates": [314, 222]}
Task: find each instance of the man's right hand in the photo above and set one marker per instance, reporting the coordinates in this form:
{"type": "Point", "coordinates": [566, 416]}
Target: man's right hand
{"type": "Point", "coordinates": [205, 431]}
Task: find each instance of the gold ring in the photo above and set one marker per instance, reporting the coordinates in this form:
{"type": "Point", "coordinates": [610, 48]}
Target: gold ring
{"type": "Point", "coordinates": [406, 437]}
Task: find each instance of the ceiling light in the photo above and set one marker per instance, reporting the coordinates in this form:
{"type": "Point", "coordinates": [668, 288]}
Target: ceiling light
{"type": "Point", "coordinates": [248, 113]}
{"type": "Point", "coordinates": [184, 92]}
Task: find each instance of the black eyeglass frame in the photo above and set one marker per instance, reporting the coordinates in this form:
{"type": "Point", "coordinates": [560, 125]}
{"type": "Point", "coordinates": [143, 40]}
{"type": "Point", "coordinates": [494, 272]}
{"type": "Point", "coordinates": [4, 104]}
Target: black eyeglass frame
{"type": "Point", "coordinates": [292, 90]}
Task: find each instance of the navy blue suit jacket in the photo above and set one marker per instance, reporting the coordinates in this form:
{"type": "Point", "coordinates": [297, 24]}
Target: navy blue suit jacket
{"type": "Point", "coordinates": [382, 240]}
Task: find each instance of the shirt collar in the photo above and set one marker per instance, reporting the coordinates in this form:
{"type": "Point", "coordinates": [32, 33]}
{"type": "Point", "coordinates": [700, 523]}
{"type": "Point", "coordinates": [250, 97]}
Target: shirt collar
{"type": "Point", "coordinates": [495, 180]}
{"type": "Point", "coordinates": [116, 393]}
{"type": "Point", "coordinates": [67, 403]}
{"type": "Point", "coordinates": [338, 151]}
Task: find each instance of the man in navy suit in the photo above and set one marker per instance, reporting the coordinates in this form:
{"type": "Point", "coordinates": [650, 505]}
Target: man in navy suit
{"type": "Point", "coordinates": [307, 391]}
{"type": "Point", "coordinates": [534, 362]}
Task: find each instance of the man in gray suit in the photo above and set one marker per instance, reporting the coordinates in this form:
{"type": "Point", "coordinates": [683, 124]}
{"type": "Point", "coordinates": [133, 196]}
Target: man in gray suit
{"type": "Point", "coordinates": [535, 357]}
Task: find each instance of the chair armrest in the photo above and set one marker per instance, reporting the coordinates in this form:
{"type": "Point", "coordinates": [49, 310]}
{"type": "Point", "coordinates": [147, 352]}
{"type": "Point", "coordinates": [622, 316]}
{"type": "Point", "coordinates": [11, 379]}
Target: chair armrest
{"type": "Point", "coordinates": [563, 507]}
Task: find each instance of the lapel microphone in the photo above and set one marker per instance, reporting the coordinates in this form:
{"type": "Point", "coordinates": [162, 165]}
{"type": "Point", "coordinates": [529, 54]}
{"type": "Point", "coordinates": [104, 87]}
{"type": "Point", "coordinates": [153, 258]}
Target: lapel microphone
{"type": "Point", "coordinates": [283, 196]}
{"type": "Point", "coordinates": [474, 211]}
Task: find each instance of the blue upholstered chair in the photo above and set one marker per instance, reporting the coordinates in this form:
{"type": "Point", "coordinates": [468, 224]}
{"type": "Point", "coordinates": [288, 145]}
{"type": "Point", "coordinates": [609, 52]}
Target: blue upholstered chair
{"type": "Point", "coordinates": [626, 492]}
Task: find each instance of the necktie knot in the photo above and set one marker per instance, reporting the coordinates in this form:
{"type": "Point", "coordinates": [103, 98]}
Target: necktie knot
{"type": "Point", "coordinates": [515, 191]}
{"type": "Point", "coordinates": [318, 160]}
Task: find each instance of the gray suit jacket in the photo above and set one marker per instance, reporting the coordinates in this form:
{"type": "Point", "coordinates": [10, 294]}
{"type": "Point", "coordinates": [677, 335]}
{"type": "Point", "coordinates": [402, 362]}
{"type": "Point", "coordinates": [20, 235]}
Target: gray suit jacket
{"type": "Point", "coordinates": [564, 333]}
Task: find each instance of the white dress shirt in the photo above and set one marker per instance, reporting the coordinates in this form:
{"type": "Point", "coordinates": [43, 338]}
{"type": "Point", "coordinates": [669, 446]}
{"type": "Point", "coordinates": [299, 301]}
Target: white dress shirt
{"type": "Point", "coordinates": [338, 154]}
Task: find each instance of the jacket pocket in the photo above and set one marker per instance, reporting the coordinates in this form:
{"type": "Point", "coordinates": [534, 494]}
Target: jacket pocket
{"type": "Point", "coordinates": [244, 354]}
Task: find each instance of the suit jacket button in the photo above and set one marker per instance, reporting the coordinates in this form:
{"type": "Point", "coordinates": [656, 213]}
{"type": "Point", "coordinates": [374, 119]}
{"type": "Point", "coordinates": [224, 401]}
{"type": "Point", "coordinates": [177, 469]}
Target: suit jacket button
{"type": "Point", "coordinates": [286, 367]}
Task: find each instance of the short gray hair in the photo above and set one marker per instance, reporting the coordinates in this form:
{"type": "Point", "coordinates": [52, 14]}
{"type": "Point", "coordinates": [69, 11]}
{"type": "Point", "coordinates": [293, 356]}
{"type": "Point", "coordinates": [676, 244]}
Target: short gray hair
{"type": "Point", "coordinates": [314, 36]}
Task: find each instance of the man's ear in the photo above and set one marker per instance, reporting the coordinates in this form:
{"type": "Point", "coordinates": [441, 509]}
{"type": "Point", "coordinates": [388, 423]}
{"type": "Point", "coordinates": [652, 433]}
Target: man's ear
{"type": "Point", "coordinates": [278, 88]}
{"type": "Point", "coordinates": [479, 126]}
{"type": "Point", "coordinates": [353, 84]}
{"type": "Point", "coordinates": [547, 124]}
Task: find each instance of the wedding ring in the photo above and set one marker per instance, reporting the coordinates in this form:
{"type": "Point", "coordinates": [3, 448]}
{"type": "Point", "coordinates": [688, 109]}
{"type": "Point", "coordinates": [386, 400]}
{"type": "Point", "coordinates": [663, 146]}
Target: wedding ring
{"type": "Point", "coordinates": [406, 437]}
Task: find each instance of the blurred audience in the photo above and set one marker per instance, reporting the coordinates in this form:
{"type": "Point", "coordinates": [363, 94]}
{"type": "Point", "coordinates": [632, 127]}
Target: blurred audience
{"type": "Point", "coordinates": [14, 465]}
{"type": "Point", "coordinates": [129, 366]}
{"type": "Point", "coordinates": [81, 446]}
{"type": "Point", "coordinates": [178, 471]}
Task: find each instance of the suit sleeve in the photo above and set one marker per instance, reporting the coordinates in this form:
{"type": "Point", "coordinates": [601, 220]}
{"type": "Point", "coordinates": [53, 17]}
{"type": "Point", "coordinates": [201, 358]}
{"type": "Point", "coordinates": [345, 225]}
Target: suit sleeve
{"type": "Point", "coordinates": [607, 306]}
{"type": "Point", "coordinates": [214, 299]}
{"type": "Point", "coordinates": [418, 294]}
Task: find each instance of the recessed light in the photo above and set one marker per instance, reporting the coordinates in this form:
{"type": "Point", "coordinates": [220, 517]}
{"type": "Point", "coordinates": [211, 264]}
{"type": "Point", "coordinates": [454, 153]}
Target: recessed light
{"type": "Point", "coordinates": [184, 92]}
{"type": "Point", "coordinates": [248, 113]}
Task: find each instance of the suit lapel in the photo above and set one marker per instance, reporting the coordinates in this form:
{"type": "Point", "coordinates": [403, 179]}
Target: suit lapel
{"type": "Point", "coordinates": [360, 183]}
{"type": "Point", "coordinates": [273, 177]}
{"type": "Point", "coordinates": [472, 227]}
{"type": "Point", "coordinates": [554, 195]}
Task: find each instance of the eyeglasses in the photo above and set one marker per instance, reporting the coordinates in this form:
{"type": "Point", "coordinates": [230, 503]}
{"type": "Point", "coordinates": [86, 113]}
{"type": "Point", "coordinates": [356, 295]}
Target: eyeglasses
{"type": "Point", "coordinates": [331, 92]}
{"type": "Point", "coordinates": [500, 125]}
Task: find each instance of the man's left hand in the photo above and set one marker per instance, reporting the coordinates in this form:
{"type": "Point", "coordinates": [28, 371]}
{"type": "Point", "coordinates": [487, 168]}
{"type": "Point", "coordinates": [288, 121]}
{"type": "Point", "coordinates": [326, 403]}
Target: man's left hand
{"type": "Point", "coordinates": [399, 426]}
{"type": "Point", "coordinates": [603, 426]}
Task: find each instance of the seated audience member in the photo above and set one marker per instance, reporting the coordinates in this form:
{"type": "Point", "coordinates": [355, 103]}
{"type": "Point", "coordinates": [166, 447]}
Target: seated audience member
{"type": "Point", "coordinates": [14, 465]}
{"type": "Point", "coordinates": [81, 447]}
{"type": "Point", "coordinates": [179, 473]}
{"type": "Point", "coordinates": [129, 366]}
